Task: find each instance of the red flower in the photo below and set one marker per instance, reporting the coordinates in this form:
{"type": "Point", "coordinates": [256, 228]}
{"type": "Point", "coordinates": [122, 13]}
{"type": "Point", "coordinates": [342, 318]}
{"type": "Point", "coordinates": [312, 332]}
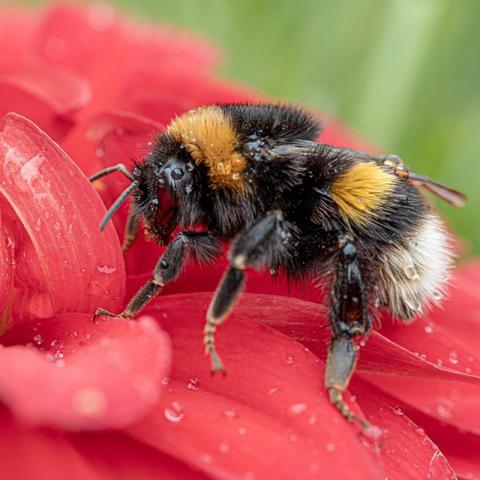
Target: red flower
{"type": "Point", "coordinates": [121, 398]}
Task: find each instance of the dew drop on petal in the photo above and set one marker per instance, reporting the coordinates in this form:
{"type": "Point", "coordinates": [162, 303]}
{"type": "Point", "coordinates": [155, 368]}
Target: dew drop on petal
{"type": "Point", "coordinates": [428, 329]}
{"type": "Point", "coordinates": [89, 402]}
{"type": "Point", "coordinates": [330, 447]}
{"type": "Point", "coordinates": [38, 339]}
{"type": "Point", "coordinates": [273, 391]}
{"type": "Point", "coordinates": [398, 411]}
{"type": "Point", "coordinates": [224, 447]}
{"type": "Point", "coordinates": [206, 458]}
{"type": "Point", "coordinates": [174, 413]}
{"type": "Point", "coordinates": [193, 384]}
{"type": "Point", "coordinates": [297, 409]}
{"type": "Point", "coordinates": [290, 360]}
{"type": "Point", "coordinates": [373, 434]}
{"type": "Point", "coordinates": [106, 269]}
{"type": "Point", "coordinates": [453, 357]}
{"type": "Point", "coordinates": [230, 414]}
{"type": "Point", "coordinates": [444, 411]}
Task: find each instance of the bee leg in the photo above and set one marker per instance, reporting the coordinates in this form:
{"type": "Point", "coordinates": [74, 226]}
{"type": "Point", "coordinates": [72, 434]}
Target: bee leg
{"type": "Point", "coordinates": [168, 269]}
{"type": "Point", "coordinates": [349, 321]}
{"type": "Point", "coordinates": [131, 229]}
{"type": "Point", "coordinates": [107, 171]}
{"type": "Point", "coordinates": [250, 248]}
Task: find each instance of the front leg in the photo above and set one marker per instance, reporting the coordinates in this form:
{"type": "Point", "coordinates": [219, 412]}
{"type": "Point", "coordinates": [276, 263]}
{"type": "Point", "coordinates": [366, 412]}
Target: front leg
{"type": "Point", "coordinates": [349, 321]}
{"type": "Point", "coordinates": [201, 245]}
{"type": "Point", "coordinates": [254, 247]}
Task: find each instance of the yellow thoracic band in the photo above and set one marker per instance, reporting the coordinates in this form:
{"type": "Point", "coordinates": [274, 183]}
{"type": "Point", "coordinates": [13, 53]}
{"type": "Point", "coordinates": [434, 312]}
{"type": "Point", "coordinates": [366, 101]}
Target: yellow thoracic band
{"type": "Point", "coordinates": [361, 190]}
{"type": "Point", "coordinates": [209, 137]}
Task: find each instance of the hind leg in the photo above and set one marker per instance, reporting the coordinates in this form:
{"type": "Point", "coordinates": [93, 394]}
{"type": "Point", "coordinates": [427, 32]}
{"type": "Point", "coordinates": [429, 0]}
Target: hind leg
{"type": "Point", "coordinates": [349, 322]}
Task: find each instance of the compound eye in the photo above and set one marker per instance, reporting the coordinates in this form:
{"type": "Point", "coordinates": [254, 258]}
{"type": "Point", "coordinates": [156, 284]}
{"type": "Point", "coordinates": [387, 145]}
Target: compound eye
{"type": "Point", "coordinates": [177, 173]}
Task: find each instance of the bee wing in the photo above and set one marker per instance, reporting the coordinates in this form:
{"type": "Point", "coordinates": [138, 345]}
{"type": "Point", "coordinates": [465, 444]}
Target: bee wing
{"type": "Point", "coordinates": [297, 148]}
{"type": "Point", "coordinates": [449, 195]}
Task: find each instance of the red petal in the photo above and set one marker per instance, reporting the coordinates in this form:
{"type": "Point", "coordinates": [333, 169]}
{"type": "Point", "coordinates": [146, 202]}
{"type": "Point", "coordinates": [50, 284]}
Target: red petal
{"type": "Point", "coordinates": [460, 447]}
{"type": "Point", "coordinates": [47, 96]}
{"type": "Point", "coordinates": [105, 35]}
{"type": "Point", "coordinates": [439, 391]}
{"type": "Point", "coordinates": [66, 263]}
{"type": "Point", "coordinates": [90, 375]}
{"type": "Point", "coordinates": [271, 416]}
{"type": "Point", "coordinates": [17, 29]}
{"type": "Point", "coordinates": [34, 454]}
{"type": "Point", "coordinates": [407, 452]}
{"type": "Point", "coordinates": [29, 454]}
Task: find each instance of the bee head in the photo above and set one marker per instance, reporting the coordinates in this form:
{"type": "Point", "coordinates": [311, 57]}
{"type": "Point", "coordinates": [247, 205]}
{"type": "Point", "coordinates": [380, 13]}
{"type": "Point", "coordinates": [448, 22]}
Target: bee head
{"type": "Point", "coordinates": [166, 182]}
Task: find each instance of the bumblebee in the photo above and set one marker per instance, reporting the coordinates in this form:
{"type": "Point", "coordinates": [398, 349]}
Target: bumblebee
{"type": "Point", "coordinates": [253, 175]}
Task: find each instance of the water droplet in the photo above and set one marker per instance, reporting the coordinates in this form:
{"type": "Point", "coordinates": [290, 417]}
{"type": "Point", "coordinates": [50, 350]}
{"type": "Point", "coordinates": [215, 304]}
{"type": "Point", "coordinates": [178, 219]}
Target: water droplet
{"type": "Point", "coordinates": [439, 362]}
{"type": "Point", "coordinates": [468, 370]}
{"type": "Point", "coordinates": [292, 437]}
{"type": "Point", "coordinates": [398, 411]}
{"type": "Point", "coordinates": [224, 447]}
{"type": "Point", "coordinates": [206, 458]}
{"type": "Point", "coordinates": [330, 447]}
{"type": "Point", "coordinates": [193, 384]}
{"type": "Point", "coordinates": [290, 360]}
{"type": "Point", "coordinates": [453, 357]}
{"type": "Point", "coordinates": [273, 391]}
{"type": "Point", "coordinates": [165, 380]}
{"type": "Point", "coordinates": [174, 413]}
{"type": "Point", "coordinates": [428, 329]}
{"type": "Point", "coordinates": [373, 434]}
{"type": "Point", "coordinates": [38, 339]}
{"type": "Point", "coordinates": [100, 151]}
{"type": "Point", "coordinates": [297, 409]}
{"type": "Point", "coordinates": [60, 363]}
{"type": "Point", "coordinates": [106, 269]}
{"type": "Point", "coordinates": [89, 402]}
{"type": "Point", "coordinates": [230, 414]}
{"type": "Point", "coordinates": [419, 431]}
{"type": "Point", "coordinates": [444, 411]}
{"type": "Point", "coordinates": [38, 225]}
{"type": "Point", "coordinates": [411, 272]}
{"type": "Point", "coordinates": [242, 431]}
{"type": "Point", "coordinates": [312, 419]}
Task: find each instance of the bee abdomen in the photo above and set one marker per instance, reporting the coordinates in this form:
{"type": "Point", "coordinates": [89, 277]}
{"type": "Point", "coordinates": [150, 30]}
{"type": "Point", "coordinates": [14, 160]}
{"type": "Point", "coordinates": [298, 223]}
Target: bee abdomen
{"type": "Point", "coordinates": [413, 276]}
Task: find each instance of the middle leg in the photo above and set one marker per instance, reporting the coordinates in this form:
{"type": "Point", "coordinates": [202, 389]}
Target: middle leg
{"type": "Point", "coordinates": [256, 246]}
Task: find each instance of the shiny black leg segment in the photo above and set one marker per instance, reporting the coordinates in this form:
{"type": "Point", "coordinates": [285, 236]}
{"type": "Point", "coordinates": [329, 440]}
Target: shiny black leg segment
{"type": "Point", "coordinates": [169, 267]}
{"type": "Point", "coordinates": [349, 320]}
{"type": "Point", "coordinates": [256, 247]}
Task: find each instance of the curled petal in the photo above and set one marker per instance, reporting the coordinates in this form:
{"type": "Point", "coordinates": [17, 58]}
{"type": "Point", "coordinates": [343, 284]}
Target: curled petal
{"type": "Point", "coordinates": [66, 264]}
{"type": "Point", "coordinates": [91, 376]}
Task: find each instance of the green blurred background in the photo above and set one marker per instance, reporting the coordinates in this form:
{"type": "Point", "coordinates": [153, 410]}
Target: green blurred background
{"type": "Point", "coordinates": [403, 73]}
